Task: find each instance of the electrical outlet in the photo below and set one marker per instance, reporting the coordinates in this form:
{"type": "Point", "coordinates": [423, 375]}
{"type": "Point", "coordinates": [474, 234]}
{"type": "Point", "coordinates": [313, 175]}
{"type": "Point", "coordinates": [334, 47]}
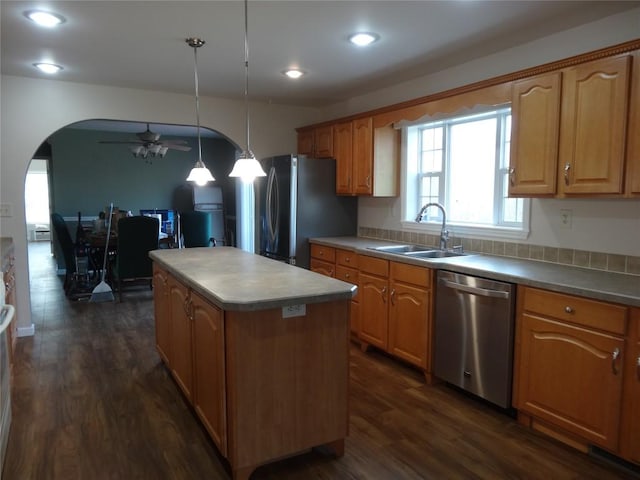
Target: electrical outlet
{"type": "Point", "coordinates": [294, 311]}
{"type": "Point", "coordinates": [566, 218]}
{"type": "Point", "coordinates": [6, 210]}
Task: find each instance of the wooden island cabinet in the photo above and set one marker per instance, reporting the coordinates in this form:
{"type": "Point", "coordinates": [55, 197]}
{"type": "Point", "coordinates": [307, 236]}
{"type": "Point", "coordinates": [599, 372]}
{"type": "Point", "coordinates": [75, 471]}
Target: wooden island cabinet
{"type": "Point", "coordinates": [264, 364]}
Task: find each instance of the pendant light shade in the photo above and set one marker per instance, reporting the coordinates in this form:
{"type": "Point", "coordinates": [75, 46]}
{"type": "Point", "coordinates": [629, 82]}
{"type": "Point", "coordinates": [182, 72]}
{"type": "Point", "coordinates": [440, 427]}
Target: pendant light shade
{"type": "Point", "coordinates": [246, 166]}
{"type": "Point", "coordinates": [199, 174]}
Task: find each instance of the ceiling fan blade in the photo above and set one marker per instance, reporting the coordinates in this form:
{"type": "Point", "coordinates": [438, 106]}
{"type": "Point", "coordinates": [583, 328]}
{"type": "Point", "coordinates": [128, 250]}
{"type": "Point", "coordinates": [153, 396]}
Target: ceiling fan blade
{"type": "Point", "coordinates": [173, 142]}
{"type": "Point", "coordinates": [182, 148]}
{"type": "Point", "coordinates": [121, 143]}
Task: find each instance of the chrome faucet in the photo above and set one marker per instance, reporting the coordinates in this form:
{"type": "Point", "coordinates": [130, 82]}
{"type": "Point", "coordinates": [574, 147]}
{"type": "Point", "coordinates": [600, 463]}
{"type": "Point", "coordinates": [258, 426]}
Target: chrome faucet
{"type": "Point", "coordinates": [444, 233]}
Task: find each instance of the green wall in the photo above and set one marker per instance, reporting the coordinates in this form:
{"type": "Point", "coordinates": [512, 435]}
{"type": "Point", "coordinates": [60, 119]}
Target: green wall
{"type": "Point", "coordinates": [87, 175]}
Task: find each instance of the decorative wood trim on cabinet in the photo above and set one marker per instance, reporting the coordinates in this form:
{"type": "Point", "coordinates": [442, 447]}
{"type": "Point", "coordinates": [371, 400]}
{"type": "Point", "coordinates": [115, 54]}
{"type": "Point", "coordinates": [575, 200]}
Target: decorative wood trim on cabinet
{"type": "Point", "coordinates": [535, 124]}
{"type": "Point", "coordinates": [593, 126]}
{"type": "Point", "coordinates": [633, 132]}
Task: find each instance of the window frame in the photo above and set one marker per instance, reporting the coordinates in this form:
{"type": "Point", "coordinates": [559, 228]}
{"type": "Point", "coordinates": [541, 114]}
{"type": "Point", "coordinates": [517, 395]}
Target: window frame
{"type": "Point", "coordinates": [410, 170]}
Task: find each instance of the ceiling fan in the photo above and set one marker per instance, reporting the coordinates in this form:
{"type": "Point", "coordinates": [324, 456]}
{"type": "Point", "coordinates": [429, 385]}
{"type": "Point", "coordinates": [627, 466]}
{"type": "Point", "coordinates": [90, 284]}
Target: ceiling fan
{"type": "Point", "coordinates": [149, 144]}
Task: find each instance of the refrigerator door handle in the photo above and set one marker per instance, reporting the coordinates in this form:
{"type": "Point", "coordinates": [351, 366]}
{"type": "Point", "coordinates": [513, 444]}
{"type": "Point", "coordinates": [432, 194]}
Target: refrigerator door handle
{"type": "Point", "coordinates": [272, 204]}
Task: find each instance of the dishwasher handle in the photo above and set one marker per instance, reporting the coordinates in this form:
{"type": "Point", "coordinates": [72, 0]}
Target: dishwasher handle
{"type": "Point", "coordinates": [484, 292]}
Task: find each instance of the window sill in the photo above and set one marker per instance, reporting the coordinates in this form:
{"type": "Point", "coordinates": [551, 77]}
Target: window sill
{"type": "Point", "coordinates": [481, 232]}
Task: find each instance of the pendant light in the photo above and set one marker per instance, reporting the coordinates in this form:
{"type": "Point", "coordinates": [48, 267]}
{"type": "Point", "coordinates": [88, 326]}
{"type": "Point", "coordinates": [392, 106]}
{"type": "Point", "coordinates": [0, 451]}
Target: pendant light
{"type": "Point", "coordinates": [199, 174]}
{"type": "Point", "coordinates": [246, 166]}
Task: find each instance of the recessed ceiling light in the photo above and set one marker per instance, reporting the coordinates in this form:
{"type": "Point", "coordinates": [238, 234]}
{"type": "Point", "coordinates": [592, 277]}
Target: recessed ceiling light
{"type": "Point", "coordinates": [49, 68]}
{"type": "Point", "coordinates": [294, 73]}
{"type": "Point", "coordinates": [44, 19]}
{"type": "Point", "coordinates": [362, 39]}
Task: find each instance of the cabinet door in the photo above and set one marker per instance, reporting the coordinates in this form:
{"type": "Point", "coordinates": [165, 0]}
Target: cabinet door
{"type": "Point", "coordinates": [373, 310]}
{"type": "Point", "coordinates": [630, 430]}
{"type": "Point", "coordinates": [342, 151]}
{"type": "Point", "coordinates": [209, 398]}
{"type": "Point", "coordinates": [324, 142]}
{"type": "Point", "coordinates": [409, 317]}
{"type": "Point", "coordinates": [535, 122]}
{"type": "Point", "coordinates": [593, 126]}
{"type": "Point", "coordinates": [181, 364]}
{"type": "Point", "coordinates": [322, 267]}
{"type": "Point", "coordinates": [162, 314]}
{"type": "Point", "coordinates": [571, 377]}
{"type": "Point", "coordinates": [305, 142]}
{"type": "Point", "coordinates": [633, 132]}
{"type": "Point", "coordinates": [363, 156]}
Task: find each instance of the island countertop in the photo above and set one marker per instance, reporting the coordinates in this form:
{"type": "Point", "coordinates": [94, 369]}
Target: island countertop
{"type": "Point", "coordinates": [237, 280]}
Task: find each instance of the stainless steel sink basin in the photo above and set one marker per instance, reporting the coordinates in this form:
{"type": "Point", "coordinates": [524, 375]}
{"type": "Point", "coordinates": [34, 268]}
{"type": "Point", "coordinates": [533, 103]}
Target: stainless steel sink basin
{"type": "Point", "coordinates": [401, 249]}
{"type": "Point", "coordinates": [434, 254]}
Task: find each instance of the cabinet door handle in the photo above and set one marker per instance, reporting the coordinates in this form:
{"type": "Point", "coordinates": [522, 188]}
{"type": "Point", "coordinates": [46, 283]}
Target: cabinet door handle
{"type": "Point", "coordinates": [512, 176]}
{"type": "Point", "coordinates": [368, 180]}
{"type": "Point", "coordinates": [384, 293]}
{"type": "Point", "coordinates": [568, 309]}
{"type": "Point", "coordinates": [393, 296]}
{"type": "Point", "coordinates": [567, 167]}
{"type": "Point", "coordinates": [614, 360]}
{"type": "Point", "coordinates": [638, 367]}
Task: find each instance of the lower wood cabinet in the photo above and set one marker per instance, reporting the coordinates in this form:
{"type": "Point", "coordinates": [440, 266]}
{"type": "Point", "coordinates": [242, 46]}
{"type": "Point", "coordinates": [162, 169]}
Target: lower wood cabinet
{"type": "Point", "coordinates": [163, 318]}
{"type": "Point", "coordinates": [630, 437]}
{"type": "Point", "coordinates": [570, 365]}
{"type": "Point", "coordinates": [180, 360]}
{"type": "Point", "coordinates": [209, 369]}
{"type": "Point", "coordinates": [395, 309]}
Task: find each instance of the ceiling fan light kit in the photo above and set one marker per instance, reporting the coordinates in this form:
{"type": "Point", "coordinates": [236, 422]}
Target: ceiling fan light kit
{"type": "Point", "coordinates": [246, 166]}
{"type": "Point", "coordinates": [149, 144]}
{"type": "Point", "coordinates": [199, 174]}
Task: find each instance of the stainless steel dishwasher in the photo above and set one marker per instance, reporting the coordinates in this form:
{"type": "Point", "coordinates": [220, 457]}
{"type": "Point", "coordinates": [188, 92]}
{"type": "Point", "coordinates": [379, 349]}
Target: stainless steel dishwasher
{"type": "Point", "coordinates": [473, 341]}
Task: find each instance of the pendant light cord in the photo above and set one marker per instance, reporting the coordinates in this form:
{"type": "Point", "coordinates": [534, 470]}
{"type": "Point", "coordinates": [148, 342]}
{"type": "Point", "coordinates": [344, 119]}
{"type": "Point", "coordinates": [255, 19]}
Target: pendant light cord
{"type": "Point", "coordinates": [246, 71]}
{"type": "Point", "coordinates": [195, 57]}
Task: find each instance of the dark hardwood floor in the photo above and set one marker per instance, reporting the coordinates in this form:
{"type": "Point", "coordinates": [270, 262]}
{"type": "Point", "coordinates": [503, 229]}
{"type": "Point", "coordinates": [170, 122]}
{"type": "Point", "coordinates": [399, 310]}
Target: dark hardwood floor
{"type": "Point", "coordinates": [91, 400]}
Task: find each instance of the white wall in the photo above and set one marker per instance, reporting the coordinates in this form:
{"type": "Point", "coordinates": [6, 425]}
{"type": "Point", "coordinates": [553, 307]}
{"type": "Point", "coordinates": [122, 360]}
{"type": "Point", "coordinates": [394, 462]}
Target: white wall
{"type": "Point", "coordinates": [32, 109]}
{"type": "Point", "coordinates": [611, 226]}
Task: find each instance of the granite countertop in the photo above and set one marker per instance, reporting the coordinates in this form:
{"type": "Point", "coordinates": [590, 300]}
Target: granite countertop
{"type": "Point", "coordinates": [233, 279]}
{"type": "Point", "coordinates": [595, 284]}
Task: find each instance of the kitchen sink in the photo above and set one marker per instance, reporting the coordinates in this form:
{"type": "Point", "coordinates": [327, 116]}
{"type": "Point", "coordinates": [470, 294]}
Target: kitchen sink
{"type": "Point", "coordinates": [434, 254]}
{"type": "Point", "coordinates": [402, 249]}
{"type": "Point", "coordinates": [417, 251]}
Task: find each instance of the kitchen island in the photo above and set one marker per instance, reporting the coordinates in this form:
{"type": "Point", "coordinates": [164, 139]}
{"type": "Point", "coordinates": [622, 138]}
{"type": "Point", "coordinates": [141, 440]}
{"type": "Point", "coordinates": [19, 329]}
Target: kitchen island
{"type": "Point", "coordinates": [259, 348]}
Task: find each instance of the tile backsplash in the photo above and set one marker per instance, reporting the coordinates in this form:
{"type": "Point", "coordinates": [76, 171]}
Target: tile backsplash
{"type": "Point", "coordinates": [566, 256]}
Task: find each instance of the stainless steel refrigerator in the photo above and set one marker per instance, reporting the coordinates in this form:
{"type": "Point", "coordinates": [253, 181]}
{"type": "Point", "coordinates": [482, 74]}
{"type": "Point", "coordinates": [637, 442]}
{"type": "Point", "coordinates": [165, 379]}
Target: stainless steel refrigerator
{"type": "Point", "coordinates": [296, 201]}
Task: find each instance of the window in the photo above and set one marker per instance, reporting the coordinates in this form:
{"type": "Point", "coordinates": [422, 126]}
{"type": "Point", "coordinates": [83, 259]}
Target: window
{"type": "Point", "coordinates": [463, 163]}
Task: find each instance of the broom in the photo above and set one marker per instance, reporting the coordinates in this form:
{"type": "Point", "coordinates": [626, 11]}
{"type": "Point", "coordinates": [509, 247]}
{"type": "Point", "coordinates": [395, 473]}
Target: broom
{"type": "Point", "coordinates": [103, 292]}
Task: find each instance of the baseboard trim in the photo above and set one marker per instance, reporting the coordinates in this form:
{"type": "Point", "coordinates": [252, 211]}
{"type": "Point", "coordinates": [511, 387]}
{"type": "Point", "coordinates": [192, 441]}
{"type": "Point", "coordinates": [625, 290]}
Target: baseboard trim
{"type": "Point", "coordinates": [26, 331]}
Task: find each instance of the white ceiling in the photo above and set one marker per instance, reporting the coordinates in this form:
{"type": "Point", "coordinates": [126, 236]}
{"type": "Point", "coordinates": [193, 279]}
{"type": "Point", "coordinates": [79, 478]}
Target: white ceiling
{"type": "Point", "coordinates": [140, 44]}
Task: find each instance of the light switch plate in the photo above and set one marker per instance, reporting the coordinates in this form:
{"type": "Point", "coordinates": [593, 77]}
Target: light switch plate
{"type": "Point", "coordinates": [294, 311]}
{"type": "Point", "coordinates": [6, 210]}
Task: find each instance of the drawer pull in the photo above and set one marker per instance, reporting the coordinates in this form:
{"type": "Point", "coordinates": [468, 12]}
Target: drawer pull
{"type": "Point", "coordinates": [568, 309]}
{"type": "Point", "coordinates": [346, 275]}
{"type": "Point", "coordinates": [614, 360]}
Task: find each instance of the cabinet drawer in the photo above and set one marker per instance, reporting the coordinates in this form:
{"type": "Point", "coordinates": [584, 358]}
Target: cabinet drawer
{"type": "Point", "coordinates": [328, 254]}
{"type": "Point", "coordinates": [578, 310]}
{"type": "Point", "coordinates": [347, 274]}
{"type": "Point", "coordinates": [347, 258]}
{"type": "Point", "coordinates": [420, 276]}
{"type": "Point", "coordinates": [376, 266]}
{"type": "Point", "coordinates": [322, 267]}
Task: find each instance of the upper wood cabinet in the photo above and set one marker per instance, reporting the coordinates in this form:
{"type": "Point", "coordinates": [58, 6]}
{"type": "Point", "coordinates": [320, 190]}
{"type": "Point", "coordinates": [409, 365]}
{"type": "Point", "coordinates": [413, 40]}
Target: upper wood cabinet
{"type": "Point", "coordinates": [367, 158]}
{"type": "Point", "coordinates": [316, 142]}
{"type": "Point", "coordinates": [342, 150]}
{"type": "Point", "coordinates": [595, 98]}
{"type": "Point", "coordinates": [633, 132]}
{"type": "Point", "coordinates": [535, 117]}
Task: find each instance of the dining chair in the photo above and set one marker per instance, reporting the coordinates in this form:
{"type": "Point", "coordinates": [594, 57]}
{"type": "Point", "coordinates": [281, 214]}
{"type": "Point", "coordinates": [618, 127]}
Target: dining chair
{"type": "Point", "coordinates": [137, 236]}
{"type": "Point", "coordinates": [68, 250]}
{"type": "Point", "coordinates": [196, 229]}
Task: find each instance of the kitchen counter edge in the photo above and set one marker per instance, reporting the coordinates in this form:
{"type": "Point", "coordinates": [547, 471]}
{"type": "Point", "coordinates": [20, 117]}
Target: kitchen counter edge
{"type": "Point", "coordinates": [594, 284]}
